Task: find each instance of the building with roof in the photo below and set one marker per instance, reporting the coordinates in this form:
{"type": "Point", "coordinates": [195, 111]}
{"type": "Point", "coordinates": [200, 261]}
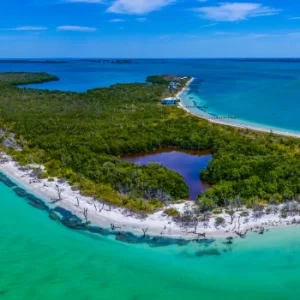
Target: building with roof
{"type": "Point", "coordinates": [173, 85]}
{"type": "Point", "coordinates": [169, 101]}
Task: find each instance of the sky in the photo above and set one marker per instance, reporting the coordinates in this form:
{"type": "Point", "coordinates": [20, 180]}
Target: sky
{"type": "Point", "coordinates": [149, 28]}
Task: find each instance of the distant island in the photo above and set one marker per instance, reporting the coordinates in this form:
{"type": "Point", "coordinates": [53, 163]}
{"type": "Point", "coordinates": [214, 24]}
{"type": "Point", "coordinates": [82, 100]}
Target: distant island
{"type": "Point", "coordinates": [25, 61]}
{"type": "Point", "coordinates": [108, 61]}
{"type": "Point", "coordinates": [20, 78]}
{"type": "Point", "coordinates": [50, 61]}
{"type": "Point", "coordinates": [280, 60]}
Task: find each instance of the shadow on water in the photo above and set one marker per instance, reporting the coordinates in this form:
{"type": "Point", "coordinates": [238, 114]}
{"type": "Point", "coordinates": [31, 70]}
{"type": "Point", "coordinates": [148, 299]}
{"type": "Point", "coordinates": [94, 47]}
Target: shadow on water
{"type": "Point", "coordinates": [208, 252]}
{"type": "Point", "coordinates": [187, 163]}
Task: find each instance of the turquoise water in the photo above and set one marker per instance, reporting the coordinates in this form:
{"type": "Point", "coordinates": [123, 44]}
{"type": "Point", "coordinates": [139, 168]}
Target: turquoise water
{"type": "Point", "coordinates": [261, 93]}
{"type": "Point", "coordinates": [41, 259]}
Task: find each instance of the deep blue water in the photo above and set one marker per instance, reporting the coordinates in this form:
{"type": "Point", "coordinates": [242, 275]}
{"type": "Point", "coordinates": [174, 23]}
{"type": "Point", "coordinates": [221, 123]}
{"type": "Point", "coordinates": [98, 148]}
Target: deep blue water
{"type": "Point", "coordinates": [263, 93]}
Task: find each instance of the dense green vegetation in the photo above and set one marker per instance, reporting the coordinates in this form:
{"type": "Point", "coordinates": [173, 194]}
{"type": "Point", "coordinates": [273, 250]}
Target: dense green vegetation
{"type": "Point", "coordinates": [79, 136]}
{"type": "Point", "coordinates": [23, 78]}
{"type": "Point", "coordinates": [155, 79]}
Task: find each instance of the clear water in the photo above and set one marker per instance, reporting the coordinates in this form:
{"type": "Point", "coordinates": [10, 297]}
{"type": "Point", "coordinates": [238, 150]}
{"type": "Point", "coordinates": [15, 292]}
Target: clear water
{"type": "Point", "coordinates": [41, 259]}
{"type": "Point", "coordinates": [259, 93]}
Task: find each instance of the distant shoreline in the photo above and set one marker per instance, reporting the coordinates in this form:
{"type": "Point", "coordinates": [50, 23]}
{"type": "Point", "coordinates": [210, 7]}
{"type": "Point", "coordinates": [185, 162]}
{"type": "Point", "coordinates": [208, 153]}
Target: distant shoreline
{"type": "Point", "coordinates": [29, 61]}
{"type": "Point", "coordinates": [240, 126]}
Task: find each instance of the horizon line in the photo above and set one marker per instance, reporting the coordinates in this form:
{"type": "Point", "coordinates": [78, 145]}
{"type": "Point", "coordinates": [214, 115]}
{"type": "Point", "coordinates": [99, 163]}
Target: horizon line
{"type": "Point", "coordinates": [81, 58]}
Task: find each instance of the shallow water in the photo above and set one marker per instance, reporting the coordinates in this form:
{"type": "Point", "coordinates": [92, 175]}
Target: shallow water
{"type": "Point", "coordinates": [187, 163]}
{"type": "Point", "coordinates": [41, 259]}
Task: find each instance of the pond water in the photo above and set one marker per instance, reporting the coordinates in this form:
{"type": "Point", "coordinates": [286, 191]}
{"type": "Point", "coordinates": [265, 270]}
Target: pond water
{"type": "Point", "coordinates": [188, 163]}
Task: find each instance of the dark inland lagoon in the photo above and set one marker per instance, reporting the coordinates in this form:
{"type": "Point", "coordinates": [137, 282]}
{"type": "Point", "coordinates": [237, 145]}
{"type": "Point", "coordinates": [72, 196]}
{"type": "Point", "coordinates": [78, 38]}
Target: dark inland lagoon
{"type": "Point", "coordinates": [188, 163]}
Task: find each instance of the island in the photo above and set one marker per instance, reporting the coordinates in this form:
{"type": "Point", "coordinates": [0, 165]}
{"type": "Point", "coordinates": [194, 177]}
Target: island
{"type": "Point", "coordinates": [66, 148]}
{"type": "Point", "coordinates": [108, 61]}
{"type": "Point", "coordinates": [30, 61]}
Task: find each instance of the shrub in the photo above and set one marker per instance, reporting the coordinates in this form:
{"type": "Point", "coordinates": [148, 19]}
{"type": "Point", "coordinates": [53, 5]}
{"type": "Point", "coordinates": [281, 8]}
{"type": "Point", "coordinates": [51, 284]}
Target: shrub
{"type": "Point", "coordinates": [171, 212]}
{"type": "Point", "coordinates": [284, 213]}
{"type": "Point", "coordinates": [244, 214]}
{"type": "Point", "coordinates": [217, 211]}
{"type": "Point", "coordinates": [230, 212]}
{"type": "Point", "coordinates": [206, 203]}
{"type": "Point", "coordinates": [43, 175]}
{"type": "Point", "coordinates": [219, 221]}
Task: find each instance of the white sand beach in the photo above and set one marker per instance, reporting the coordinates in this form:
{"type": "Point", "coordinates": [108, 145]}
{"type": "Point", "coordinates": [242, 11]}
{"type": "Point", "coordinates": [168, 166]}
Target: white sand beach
{"type": "Point", "coordinates": [157, 224]}
{"type": "Point", "coordinates": [219, 121]}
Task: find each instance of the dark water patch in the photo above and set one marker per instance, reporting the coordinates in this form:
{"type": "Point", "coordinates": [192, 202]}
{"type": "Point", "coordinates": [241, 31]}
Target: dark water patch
{"type": "Point", "coordinates": [98, 230]}
{"type": "Point", "coordinates": [187, 163]}
{"type": "Point", "coordinates": [129, 238]}
{"type": "Point", "coordinates": [227, 250]}
{"type": "Point", "coordinates": [20, 192]}
{"type": "Point", "coordinates": [63, 212]}
{"type": "Point", "coordinates": [53, 216]}
{"type": "Point", "coordinates": [36, 202]}
{"type": "Point", "coordinates": [3, 292]}
{"type": "Point", "coordinates": [165, 241]}
{"type": "Point", "coordinates": [31, 199]}
{"type": "Point", "coordinates": [208, 252]}
{"type": "Point", "coordinates": [70, 220]}
{"type": "Point", "coordinates": [6, 180]}
{"type": "Point", "coordinates": [228, 241]}
{"type": "Point", "coordinates": [73, 223]}
{"type": "Point", "coordinates": [205, 242]}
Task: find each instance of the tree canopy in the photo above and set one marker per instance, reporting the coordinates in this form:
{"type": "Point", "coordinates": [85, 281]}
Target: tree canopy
{"type": "Point", "coordinates": [80, 137]}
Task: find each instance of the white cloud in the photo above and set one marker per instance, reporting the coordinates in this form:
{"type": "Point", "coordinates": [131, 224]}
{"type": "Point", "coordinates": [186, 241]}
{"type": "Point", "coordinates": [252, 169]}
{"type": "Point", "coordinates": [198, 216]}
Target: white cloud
{"type": "Point", "coordinates": [294, 18]}
{"type": "Point", "coordinates": [137, 7]}
{"type": "Point", "coordinates": [117, 20]}
{"type": "Point", "coordinates": [29, 28]}
{"type": "Point", "coordinates": [141, 19]}
{"type": "Point", "coordinates": [234, 11]}
{"type": "Point", "coordinates": [76, 28]}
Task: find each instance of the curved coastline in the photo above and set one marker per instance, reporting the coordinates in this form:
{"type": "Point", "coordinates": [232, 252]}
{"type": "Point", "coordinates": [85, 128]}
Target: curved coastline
{"type": "Point", "coordinates": [240, 126]}
{"type": "Point", "coordinates": [156, 229]}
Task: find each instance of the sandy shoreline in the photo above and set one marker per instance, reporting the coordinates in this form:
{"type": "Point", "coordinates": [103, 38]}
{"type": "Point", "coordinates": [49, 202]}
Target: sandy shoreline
{"type": "Point", "coordinates": [241, 126]}
{"type": "Point", "coordinates": [157, 224]}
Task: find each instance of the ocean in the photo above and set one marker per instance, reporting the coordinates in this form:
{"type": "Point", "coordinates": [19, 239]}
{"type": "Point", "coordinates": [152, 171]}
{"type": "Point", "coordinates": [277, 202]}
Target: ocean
{"type": "Point", "coordinates": [42, 259]}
